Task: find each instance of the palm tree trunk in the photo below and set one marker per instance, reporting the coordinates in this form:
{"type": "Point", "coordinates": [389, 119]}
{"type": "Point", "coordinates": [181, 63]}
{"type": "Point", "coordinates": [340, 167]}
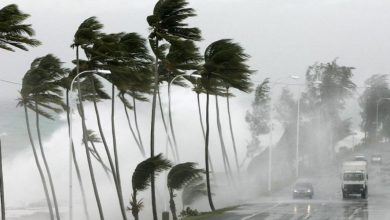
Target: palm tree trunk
{"type": "Point", "coordinates": [152, 180]}
{"type": "Point", "coordinates": [171, 124]}
{"type": "Point", "coordinates": [47, 168]}
{"type": "Point", "coordinates": [48, 201]}
{"type": "Point", "coordinates": [136, 124]}
{"type": "Point", "coordinates": [116, 159]}
{"type": "Point", "coordinates": [85, 138]}
{"type": "Point", "coordinates": [141, 149]}
{"type": "Point", "coordinates": [209, 195]}
{"type": "Point", "coordinates": [166, 128]}
{"type": "Point", "coordinates": [204, 135]}
{"type": "Point", "coordinates": [76, 165]}
{"type": "Point", "coordinates": [111, 163]}
{"type": "Point", "coordinates": [134, 208]}
{"type": "Point", "coordinates": [231, 132]}
{"type": "Point", "coordinates": [223, 148]}
{"type": "Point", "coordinates": [172, 204]}
{"type": "Point", "coordinates": [2, 185]}
{"type": "Point", "coordinates": [96, 155]}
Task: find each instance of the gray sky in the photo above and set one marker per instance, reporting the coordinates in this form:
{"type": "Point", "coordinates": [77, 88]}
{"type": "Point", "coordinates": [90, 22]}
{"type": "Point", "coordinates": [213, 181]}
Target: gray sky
{"type": "Point", "coordinates": [283, 37]}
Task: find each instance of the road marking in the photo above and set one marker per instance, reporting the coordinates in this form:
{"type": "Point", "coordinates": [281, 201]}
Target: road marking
{"type": "Point", "coordinates": [260, 212]}
{"type": "Point", "coordinates": [354, 213]}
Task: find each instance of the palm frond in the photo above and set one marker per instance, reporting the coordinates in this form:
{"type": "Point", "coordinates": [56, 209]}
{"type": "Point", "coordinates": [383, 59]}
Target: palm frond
{"type": "Point", "coordinates": [181, 174]}
{"type": "Point", "coordinates": [144, 170]}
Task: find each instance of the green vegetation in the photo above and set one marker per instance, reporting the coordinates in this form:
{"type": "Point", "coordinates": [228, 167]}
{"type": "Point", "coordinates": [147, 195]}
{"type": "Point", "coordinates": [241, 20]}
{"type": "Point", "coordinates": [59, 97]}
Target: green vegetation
{"type": "Point", "coordinates": [208, 215]}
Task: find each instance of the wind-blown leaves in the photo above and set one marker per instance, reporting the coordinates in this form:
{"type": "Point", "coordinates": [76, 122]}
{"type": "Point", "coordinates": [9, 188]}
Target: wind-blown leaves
{"type": "Point", "coordinates": [144, 170]}
{"type": "Point", "coordinates": [181, 174]}
{"type": "Point", "coordinates": [13, 32]}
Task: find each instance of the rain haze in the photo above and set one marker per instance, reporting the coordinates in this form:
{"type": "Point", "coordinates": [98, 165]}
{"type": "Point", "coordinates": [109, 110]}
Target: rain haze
{"type": "Point", "coordinates": [319, 98]}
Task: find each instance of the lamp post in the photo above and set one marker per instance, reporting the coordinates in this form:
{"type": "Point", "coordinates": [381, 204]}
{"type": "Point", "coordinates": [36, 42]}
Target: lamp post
{"type": "Point", "coordinates": [271, 131]}
{"type": "Point", "coordinates": [377, 116]}
{"type": "Point", "coordinates": [71, 139]}
{"type": "Point", "coordinates": [169, 109]}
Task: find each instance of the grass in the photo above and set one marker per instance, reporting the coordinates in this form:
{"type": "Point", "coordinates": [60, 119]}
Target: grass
{"type": "Point", "coordinates": [207, 215]}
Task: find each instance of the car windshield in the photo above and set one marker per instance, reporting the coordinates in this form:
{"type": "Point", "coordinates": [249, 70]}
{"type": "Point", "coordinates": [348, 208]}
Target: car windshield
{"type": "Point", "coordinates": [302, 185]}
{"type": "Point", "coordinates": [353, 176]}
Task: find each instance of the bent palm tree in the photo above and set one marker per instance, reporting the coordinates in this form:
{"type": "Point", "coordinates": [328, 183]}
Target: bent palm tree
{"type": "Point", "coordinates": [86, 34]}
{"type": "Point", "coordinates": [223, 61]}
{"type": "Point", "coordinates": [45, 94]}
{"type": "Point", "coordinates": [141, 179]}
{"type": "Point", "coordinates": [178, 177]}
{"type": "Point", "coordinates": [166, 23]}
{"type": "Point", "coordinates": [13, 32]}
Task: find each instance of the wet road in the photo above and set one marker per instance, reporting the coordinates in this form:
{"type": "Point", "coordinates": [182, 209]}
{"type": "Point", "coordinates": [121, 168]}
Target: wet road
{"type": "Point", "coordinates": [327, 202]}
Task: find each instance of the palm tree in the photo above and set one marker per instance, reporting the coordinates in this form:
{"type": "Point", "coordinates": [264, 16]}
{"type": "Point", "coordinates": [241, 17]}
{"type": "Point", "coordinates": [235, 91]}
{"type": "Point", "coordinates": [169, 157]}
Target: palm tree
{"type": "Point", "coordinates": [26, 101]}
{"type": "Point", "coordinates": [178, 177]}
{"type": "Point", "coordinates": [86, 34]}
{"type": "Point", "coordinates": [126, 55]}
{"type": "Point", "coordinates": [45, 94]}
{"type": "Point", "coordinates": [141, 179]}
{"type": "Point", "coordinates": [166, 23]}
{"type": "Point", "coordinates": [13, 32]}
{"type": "Point", "coordinates": [223, 61]}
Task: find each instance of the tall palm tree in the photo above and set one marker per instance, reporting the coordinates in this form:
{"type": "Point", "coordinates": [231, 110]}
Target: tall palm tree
{"type": "Point", "coordinates": [126, 55]}
{"type": "Point", "coordinates": [178, 177]}
{"type": "Point", "coordinates": [13, 32]}
{"type": "Point", "coordinates": [141, 179]}
{"type": "Point", "coordinates": [166, 23]}
{"type": "Point", "coordinates": [224, 61]}
{"type": "Point", "coordinates": [27, 102]}
{"type": "Point", "coordinates": [45, 94]}
{"type": "Point", "coordinates": [86, 34]}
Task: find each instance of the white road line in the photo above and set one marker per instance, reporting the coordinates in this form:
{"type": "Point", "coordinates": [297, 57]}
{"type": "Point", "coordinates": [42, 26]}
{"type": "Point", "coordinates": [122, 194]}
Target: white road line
{"type": "Point", "coordinates": [354, 213]}
{"type": "Point", "coordinates": [260, 212]}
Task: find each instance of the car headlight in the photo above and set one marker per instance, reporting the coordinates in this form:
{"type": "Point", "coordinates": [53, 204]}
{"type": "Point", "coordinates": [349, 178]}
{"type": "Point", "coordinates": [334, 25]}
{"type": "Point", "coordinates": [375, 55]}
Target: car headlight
{"type": "Point", "coordinates": [295, 190]}
{"type": "Point", "coordinates": [308, 190]}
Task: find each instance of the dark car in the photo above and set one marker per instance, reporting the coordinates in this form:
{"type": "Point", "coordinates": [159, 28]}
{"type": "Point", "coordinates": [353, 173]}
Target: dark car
{"type": "Point", "coordinates": [376, 159]}
{"type": "Point", "coordinates": [303, 190]}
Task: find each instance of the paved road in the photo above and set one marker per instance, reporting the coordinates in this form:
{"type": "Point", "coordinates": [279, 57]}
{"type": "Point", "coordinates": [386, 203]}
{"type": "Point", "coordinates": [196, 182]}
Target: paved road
{"type": "Point", "coordinates": [327, 202]}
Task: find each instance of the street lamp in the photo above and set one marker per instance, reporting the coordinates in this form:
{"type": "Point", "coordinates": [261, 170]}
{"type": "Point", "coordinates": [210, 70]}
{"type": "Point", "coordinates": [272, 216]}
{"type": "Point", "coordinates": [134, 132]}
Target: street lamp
{"type": "Point", "coordinates": [271, 132]}
{"type": "Point", "coordinates": [377, 116]}
{"type": "Point", "coordinates": [70, 135]}
{"type": "Point", "coordinates": [169, 109]}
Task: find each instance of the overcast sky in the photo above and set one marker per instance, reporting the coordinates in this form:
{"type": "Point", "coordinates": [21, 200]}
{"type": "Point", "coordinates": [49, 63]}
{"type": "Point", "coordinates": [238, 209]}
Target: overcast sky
{"type": "Point", "coordinates": [283, 37]}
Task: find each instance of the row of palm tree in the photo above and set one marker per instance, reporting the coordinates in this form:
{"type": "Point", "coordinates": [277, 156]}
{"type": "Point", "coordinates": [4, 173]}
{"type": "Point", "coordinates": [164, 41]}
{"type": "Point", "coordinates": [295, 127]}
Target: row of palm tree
{"type": "Point", "coordinates": [135, 74]}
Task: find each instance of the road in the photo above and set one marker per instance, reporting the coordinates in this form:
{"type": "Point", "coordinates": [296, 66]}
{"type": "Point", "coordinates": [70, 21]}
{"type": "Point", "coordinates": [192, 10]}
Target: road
{"type": "Point", "coordinates": [327, 202]}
